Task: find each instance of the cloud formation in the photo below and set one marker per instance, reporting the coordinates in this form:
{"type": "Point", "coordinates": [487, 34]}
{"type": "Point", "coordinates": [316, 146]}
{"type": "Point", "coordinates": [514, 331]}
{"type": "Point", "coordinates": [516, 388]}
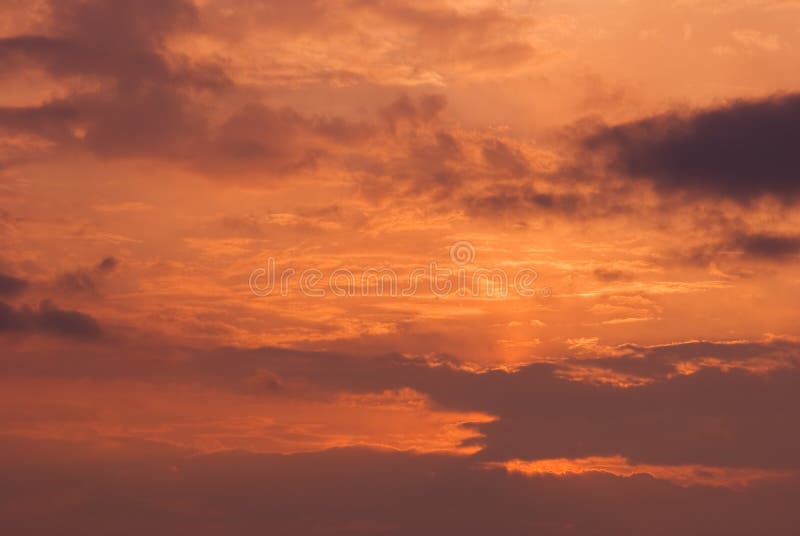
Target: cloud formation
{"type": "Point", "coordinates": [708, 413]}
{"type": "Point", "coordinates": [153, 154]}
{"type": "Point", "coordinates": [742, 151]}
{"type": "Point", "coordinates": [11, 286]}
{"type": "Point", "coordinates": [48, 319]}
{"type": "Point", "coordinates": [347, 491]}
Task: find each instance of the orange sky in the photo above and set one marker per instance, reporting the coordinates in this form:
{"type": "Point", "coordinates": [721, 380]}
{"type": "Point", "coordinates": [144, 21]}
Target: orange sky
{"type": "Point", "coordinates": [639, 158]}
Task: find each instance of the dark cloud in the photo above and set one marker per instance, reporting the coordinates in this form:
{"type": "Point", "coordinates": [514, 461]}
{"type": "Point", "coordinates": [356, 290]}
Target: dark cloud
{"type": "Point", "coordinates": [723, 414]}
{"type": "Point", "coordinates": [767, 245]}
{"type": "Point", "coordinates": [728, 416]}
{"type": "Point", "coordinates": [425, 159]}
{"type": "Point", "coordinates": [741, 151]}
{"type": "Point", "coordinates": [52, 120]}
{"type": "Point", "coordinates": [610, 275]}
{"type": "Point", "coordinates": [136, 487]}
{"type": "Point", "coordinates": [51, 319]}
{"type": "Point", "coordinates": [48, 319]}
{"type": "Point", "coordinates": [106, 38]}
{"type": "Point", "coordinates": [141, 101]}
{"type": "Point", "coordinates": [109, 264]}
{"type": "Point", "coordinates": [712, 417]}
{"type": "Point", "coordinates": [736, 249]}
{"type": "Point", "coordinates": [11, 286]}
{"type": "Point", "coordinates": [86, 280]}
{"type": "Point", "coordinates": [156, 122]}
{"type": "Point", "coordinates": [431, 168]}
{"type": "Point", "coordinates": [150, 102]}
{"type": "Point", "coordinates": [502, 157]}
{"type": "Point", "coordinates": [525, 200]}
{"type": "Point", "coordinates": [405, 110]}
{"type": "Point", "coordinates": [662, 362]}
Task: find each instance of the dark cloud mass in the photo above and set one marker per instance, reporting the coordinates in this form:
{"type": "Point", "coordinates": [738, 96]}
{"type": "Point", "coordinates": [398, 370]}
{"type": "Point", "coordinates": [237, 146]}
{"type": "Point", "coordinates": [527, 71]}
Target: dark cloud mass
{"type": "Point", "coordinates": [11, 286]}
{"type": "Point", "coordinates": [742, 151]}
{"type": "Point", "coordinates": [115, 38]}
{"type": "Point", "coordinates": [505, 158]}
{"type": "Point", "coordinates": [48, 319]}
{"type": "Point", "coordinates": [722, 417]}
{"type": "Point", "coordinates": [139, 99]}
{"type": "Point", "coordinates": [745, 246]}
{"type": "Point", "coordinates": [768, 245]}
{"type": "Point", "coordinates": [711, 417]}
{"type": "Point", "coordinates": [352, 491]}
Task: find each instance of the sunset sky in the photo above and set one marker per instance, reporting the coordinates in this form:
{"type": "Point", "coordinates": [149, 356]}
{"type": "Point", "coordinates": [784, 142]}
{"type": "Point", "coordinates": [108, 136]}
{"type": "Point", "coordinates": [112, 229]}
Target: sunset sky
{"type": "Point", "coordinates": [588, 209]}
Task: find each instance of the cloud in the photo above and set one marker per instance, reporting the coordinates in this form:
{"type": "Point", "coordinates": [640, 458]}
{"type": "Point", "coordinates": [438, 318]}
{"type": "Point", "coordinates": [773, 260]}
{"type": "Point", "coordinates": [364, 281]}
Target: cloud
{"type": "Point", "coordinates": [669, 360]}
{"type": "Point", "coordinates": [742, 151]}
{"type": "Point", "coordinates": [138, 487]}
{"type": "Point", "coordinates": [11, 286]}
{"type": "Point", "coordinates": [86, 280]}
{"type": "Point", "coordinates": [526, 199]}
{"type": "Point", "coordinates": [109, 264]}
{"type": "Point", "coordinates": [718, 412]}
{"type": "Point", "coordinates": [738, 248]}
{"type": "Point", "coordinates": [610, 274]}
{"type": "Point", "coordinates": [137, 96]}
{"type": "Point", "coordinates": [150, 102]}
{"type": "Point", "coordinates": [76, 281]}
{"type": "Point", "coordinates": [767, 245]}
{"type": "Point", "coordinates": [502, 157]}
{"type": "Point", "coordinates": [121, 40]}
{"type": "Point", "coordinates": [710, 417]}
{"type": "Point", "coordinates": [48, 319]}
{"type": "Point", "coordinates": [405, 110]}
{"type": "Point", "coordinates": [275, 142]}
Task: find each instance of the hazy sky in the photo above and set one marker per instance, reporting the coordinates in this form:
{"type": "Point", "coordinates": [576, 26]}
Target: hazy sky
{"type": "Point", "coordinates": [400, 267]}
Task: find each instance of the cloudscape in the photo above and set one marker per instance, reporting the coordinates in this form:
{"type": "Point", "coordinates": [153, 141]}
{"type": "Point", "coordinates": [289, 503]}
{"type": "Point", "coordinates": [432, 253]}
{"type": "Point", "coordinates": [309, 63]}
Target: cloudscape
{"type": "Point", "coordinates": [400, 267]}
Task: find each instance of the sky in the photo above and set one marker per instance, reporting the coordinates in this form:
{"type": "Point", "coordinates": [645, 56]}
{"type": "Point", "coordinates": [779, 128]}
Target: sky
{"type": "Point", "coordinates": [400, 267]}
